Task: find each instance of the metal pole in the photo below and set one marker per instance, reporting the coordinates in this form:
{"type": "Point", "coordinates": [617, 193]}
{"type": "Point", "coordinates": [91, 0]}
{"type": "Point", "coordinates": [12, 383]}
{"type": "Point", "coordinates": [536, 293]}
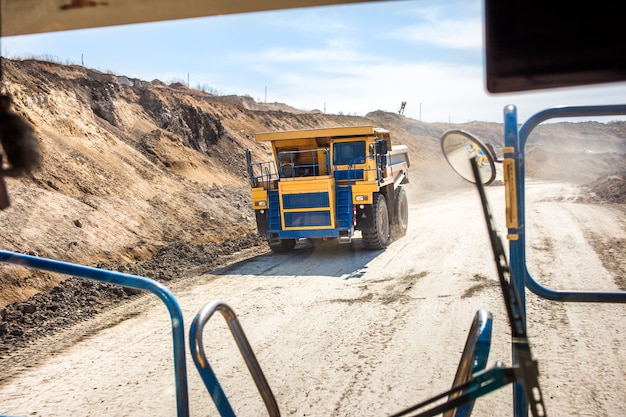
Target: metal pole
{"type": "Point", "coordinates": [517, 253]}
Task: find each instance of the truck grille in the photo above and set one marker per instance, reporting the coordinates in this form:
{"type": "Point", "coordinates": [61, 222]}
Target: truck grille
{"type": "Point", "coordinates": [307, 219]}
{"type": "Point", "coordinates": [305, 200]}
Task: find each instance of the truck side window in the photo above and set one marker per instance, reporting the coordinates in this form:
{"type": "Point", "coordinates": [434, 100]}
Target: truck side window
{"type": "Point", "coordinates": [349, 153]}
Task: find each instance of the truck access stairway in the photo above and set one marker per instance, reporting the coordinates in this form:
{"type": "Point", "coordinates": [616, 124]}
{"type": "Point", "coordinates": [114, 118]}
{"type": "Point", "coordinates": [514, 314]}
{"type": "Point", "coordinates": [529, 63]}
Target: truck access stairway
{"type": "Point", "coordinates": [344, 207]}
{"type": "Point", "coordinates": [273, 210]}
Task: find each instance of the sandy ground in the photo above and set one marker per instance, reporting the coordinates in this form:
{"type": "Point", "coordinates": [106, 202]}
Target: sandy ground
{"type": "Point", "coordinates": [340, 331]}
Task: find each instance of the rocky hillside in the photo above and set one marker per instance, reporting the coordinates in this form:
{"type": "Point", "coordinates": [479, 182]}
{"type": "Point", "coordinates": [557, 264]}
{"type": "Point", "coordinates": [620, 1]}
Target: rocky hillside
{"type": "Point", "coordinates": [138, 175]}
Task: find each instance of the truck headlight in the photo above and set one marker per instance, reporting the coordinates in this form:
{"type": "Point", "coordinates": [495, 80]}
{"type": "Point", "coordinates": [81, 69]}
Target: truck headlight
{"type": "Point", "coordinates": [360, 198]}
{"type": "Point", "coordinates": [261, 203]}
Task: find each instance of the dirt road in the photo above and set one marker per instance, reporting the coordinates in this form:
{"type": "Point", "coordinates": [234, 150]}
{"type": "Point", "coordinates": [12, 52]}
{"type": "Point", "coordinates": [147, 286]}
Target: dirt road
{"type": "Point", "coordinates": [340, 331]}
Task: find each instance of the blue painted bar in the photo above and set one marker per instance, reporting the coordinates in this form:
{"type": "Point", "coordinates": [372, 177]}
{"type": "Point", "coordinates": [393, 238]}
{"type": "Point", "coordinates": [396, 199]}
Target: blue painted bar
{"type": "Point", "coordinates": [131, 281]}
{"type": "Point", "coordinates": [209, 378]}
{"type": "Point", "coordinates": [524, 132]}
{"type": "Point", "coordinates": [517, 248]}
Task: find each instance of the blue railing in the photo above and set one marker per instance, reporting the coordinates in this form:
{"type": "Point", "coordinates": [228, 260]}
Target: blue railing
{"type": "Point", "coordinates": [470, 367]}
{"type": "Point", "coordinates": [126, 280]}
{"type": "Point", "coordinates": [203, 366]}
{"type": "Point", "coordinates": [262, 173]}
{"type": "Point", "coordinates": [517, 248]}
{"type": "Point", "coordinates": [303, 163]}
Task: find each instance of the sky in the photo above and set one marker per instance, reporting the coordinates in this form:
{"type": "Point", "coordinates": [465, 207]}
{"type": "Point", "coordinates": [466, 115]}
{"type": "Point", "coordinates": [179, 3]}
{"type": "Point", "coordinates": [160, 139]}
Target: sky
{"type": "Point", "coordinates": [344, 59]}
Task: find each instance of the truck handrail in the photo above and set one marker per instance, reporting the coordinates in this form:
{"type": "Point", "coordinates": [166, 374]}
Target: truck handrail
{"type": "Point", "coordinates": [265, 175]}
{"type": "Point", "coordinates": [268, 176]}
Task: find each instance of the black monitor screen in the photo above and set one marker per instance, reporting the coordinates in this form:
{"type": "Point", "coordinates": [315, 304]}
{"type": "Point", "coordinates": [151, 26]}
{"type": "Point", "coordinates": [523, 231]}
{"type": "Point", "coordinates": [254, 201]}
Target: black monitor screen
{"type": "Point", "coordinates": [535, 44]}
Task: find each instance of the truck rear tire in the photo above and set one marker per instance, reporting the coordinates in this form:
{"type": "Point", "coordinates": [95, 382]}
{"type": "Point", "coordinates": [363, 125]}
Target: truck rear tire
{"type": "Point", "coordinates": [401, 214]}
{"type": "Point", "coordinates": [282, 245]}
{"type": "Point", "coordinates": [378, 237]}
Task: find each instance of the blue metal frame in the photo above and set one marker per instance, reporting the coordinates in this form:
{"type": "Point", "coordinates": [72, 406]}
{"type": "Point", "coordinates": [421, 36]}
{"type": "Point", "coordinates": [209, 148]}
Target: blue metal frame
{"type": "Point", "coordinates": [126, 280]}
{"type": "Point", "coordinates": [473, 360]}
{"type": "Point", "coordinates": [201, 361]}
{"type": "Point", "coordinates": [517, 248]}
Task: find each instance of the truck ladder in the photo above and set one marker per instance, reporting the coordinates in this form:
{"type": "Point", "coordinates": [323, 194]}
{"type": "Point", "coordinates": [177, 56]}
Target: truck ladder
{"type": "Point", "coordinates": [273, 221]}
{"type": "Point", "coordinates": [344, 209]}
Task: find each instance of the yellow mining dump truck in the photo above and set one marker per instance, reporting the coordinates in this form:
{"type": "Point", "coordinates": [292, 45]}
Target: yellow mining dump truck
{"type": "Point", "coordinates": [329, 183]}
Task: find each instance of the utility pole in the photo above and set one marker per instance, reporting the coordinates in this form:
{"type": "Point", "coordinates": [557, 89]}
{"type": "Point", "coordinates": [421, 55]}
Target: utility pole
{"type": "Point", "coordinates": [265, 101]}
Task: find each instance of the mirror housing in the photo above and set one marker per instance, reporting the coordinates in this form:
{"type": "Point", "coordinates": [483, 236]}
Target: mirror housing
{"type": "Point", "coordinates": [459, 146]}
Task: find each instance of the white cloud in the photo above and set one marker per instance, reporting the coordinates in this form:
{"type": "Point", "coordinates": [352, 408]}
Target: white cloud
{"type": "Point", "coordinates": [383, 86]}
{"type": "Point", "coordinates": [317, 20]}
{"type": "Point", "coordinates": [433, 92]}
{"type": "Point", "coordinates": [336, 52]}
{"type": "Point", "coordinates": [457, 34]}
{"type": "Point", "coordinates": [448, 24]}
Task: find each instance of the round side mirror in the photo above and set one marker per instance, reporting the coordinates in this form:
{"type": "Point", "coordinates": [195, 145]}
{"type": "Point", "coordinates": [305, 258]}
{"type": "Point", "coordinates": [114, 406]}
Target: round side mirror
{"type": "Point", "coordinates": [459, 146]}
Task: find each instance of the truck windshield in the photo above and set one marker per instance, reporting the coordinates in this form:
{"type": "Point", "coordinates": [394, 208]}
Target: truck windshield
{"type": "Point", "coordinates": [345, 153]}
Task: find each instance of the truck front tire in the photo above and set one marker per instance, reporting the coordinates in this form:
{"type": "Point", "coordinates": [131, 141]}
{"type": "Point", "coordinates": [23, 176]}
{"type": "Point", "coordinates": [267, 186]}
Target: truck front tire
{"type": "Point", "coordinates": [378, 236]}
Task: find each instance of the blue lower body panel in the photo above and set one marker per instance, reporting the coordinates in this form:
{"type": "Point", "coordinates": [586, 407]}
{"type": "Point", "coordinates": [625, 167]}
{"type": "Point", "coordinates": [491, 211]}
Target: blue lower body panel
{"type": "Point", "coordinates": [309, 213]}
{"type": "Point", "coordinates": [305, 234]}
